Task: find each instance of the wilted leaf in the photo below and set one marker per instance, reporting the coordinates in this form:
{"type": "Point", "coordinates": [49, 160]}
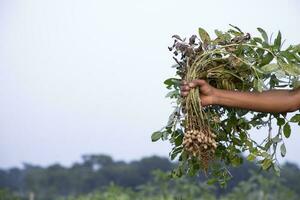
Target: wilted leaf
{"type": "Point", "coordinates": [204, 36]}
{"type": "Point", "coordinates": [192, 39]}
{"type": "Point", "coordinates": [177, 37]}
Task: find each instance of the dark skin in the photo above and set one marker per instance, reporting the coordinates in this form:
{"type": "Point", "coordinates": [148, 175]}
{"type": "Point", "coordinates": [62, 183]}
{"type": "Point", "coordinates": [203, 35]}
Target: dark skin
{"type": "Point", "coordinates": [272, 101]}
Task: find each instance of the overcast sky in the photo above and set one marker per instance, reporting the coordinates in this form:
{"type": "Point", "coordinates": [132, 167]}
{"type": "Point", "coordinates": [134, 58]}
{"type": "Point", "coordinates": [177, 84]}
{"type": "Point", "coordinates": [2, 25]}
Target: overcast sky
{"type": "Point", "coordinates": [79, 77]}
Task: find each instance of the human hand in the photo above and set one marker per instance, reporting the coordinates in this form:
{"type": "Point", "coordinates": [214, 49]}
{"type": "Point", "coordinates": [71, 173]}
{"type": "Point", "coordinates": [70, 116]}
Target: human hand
{"type": "Point", "coordinates": [207, 92]}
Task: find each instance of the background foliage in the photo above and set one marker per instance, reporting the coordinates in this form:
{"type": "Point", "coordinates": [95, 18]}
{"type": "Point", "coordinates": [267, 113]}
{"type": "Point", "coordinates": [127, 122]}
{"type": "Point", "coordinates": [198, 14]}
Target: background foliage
{"type": "Point", "coordinates": [99, 177]}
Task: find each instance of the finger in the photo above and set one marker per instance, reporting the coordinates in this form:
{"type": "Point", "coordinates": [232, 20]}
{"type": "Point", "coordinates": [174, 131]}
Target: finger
{"type": "Point", "coordinates": [184, 94]}
{"type": "Point", "coordinates": [185, 88]}
{"type": "Point", "coordinates": [198, 82]}
{"type": "Point", "coordinates": [183, 82]}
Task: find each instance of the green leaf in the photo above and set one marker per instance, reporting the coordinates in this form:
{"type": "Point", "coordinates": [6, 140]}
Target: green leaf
{"type": "Point", "coordinates": [219, 33]}
{"type": "Point", "coordinates": [296, 48]}
{"type": "Point", "coordinates": [277, 42]}
{"type": "Point", "coordinates": [268, 145]}
{"type": "Point", "coordinates": [280, 121]}
{"type": "Point", "coordinates": [156, 136]}
{"type": "Point", "coordinates": [204, 35]}
{"type": "Point", "coordinates": [295, 118]}
{"type": "Point", "coordinates": [291, 69]}
{"type": "Point", "coordinates": [165, 135]}
{"type": "Point", "coordinates": [276, 169]}
{"type": "Point", "coordinates": [251, 157]}
{"type": "Point", "coordinates": [234, 32]}
{"type": "Point", "coordinates": [237, 142]}
{"type": "Point", "coordinates": [280, 74]}
{"type": "Point", "coordinates": [175, 152]}
{"type": "Point", "coordinates": [283, 114]}
{"type": "Point", "coordinates": [212, 181]}
{"type": "Point", "coordinates": [296, 84]}
{"type": "Point", "coordinates": [287, 130]}
{"type": "Point", "coordinates": [172, 82]}
{"type": "Point", "coordinates": [258, 85]}
{"type": "Point", "coordinates": [282, 150]}
{"type": "Point", "coordinates": [178, 140]}
{"type": "Point", "coordinates": [184, 156]}
{"type": "Point", "coordinates": [237, 28]}
{"type": "Point", "coordinates": [260, 52]}
{"type": "Point", "coordinates": [289, 56]}
{"type": "Point", "coordinates": [266, 164]}
{"type": "Point", "coordinates": [173, 94]}
{"type": "Point", "coordinates": [265, 155]}
{"type": "Point", "coordinates": [258, 40]}
{"type": "Point", "coordinates": [236, 161]}
{"type": "Point", "coordinates": [270, 68]}
{"type": "Point", "coordinates": [296, 56]}
{"type": "Point", "coordinates": [264, 35]}
{"type": "Point", "coordinates": [276, 139]}
{"type": "Point", "coordinates": [267, 59]}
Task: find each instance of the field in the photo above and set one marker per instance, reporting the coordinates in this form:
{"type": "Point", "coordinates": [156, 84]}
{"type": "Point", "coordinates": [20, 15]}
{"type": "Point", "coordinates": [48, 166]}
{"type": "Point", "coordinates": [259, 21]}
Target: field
{"type": "Point", "coordinates": [99, 177]}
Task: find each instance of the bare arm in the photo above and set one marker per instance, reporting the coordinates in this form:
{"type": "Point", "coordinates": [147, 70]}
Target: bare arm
{"type": "Point", "coordinates": [268, 101]}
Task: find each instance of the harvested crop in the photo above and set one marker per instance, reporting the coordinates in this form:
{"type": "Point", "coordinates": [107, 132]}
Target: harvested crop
{"type": "Point", "coordinates": [212, 138]}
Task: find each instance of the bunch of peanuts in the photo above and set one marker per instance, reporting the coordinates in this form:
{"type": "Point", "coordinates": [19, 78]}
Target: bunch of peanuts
{"type": "Point", "coordinates": [197, 143]}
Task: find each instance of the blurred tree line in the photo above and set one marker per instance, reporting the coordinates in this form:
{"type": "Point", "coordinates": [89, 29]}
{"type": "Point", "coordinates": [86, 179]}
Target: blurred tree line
{"type": "Point", "coordinates": [100, 177]}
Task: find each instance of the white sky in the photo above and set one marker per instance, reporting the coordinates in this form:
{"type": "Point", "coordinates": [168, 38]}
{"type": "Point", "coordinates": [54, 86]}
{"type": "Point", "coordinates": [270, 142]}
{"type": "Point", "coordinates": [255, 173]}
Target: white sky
{"type": "Point", "coordinates": [80, 77]}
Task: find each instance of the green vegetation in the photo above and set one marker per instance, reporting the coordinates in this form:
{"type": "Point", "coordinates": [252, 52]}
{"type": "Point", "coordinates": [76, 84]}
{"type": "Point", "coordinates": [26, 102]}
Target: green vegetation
{"type": "Point", "coordinates": [99, 177]}
{"type": "Point", "coordinates": [212, 138]}
{"type": "Point", "coordinates": [7, 195]}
